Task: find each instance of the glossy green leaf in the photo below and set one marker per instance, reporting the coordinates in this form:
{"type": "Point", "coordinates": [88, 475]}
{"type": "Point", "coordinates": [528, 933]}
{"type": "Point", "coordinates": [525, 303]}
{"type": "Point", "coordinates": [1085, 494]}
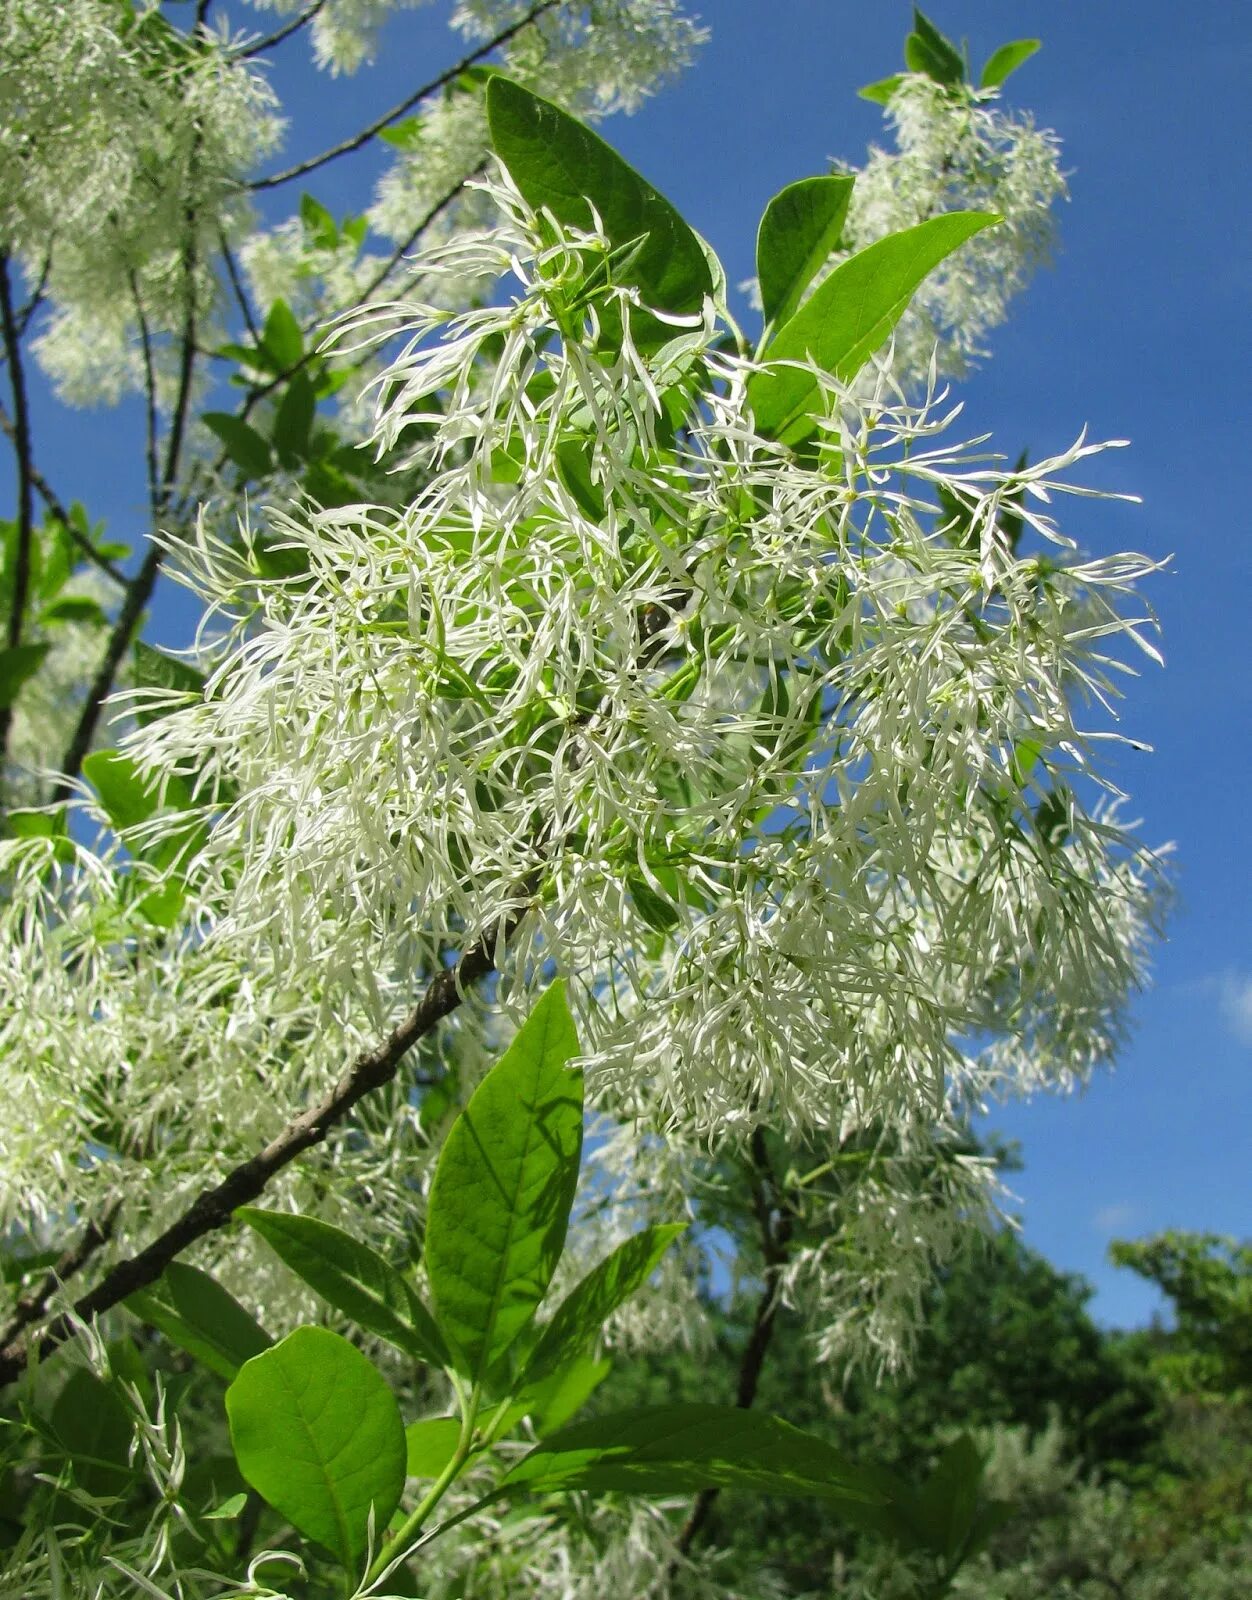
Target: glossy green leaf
{"type": "Point", "coordinates": [156, 669]}
{"type": "Point", "coordinates": [353, 1278]}
{"type": "Point", "coordinates": [318, 1434]}
{"type": "Point", "coordinates": [801, 227]}
{"type": "Point", "coordinates": [294, 419]}
{"type": "Point", "coordinates": [560, 164]}
{"type": "Point", "coordinates": [503, 1188]}
{"type": "Point", "coordinates": [242, 443]}
{"type": "Point", "coordinates": [319, 226]}
{"type": "Point", "coordinates": [18, 663]}
{"type": "Point", "coordinates": [430, 1445]}
{"type": "Point", "coordinates": [926, 50]}
{"type": "Point", "coordinates": [655, 909]}
{"type": "Point", "coordinates": [573, 461]}
{"type": "Point", "coordinates": [1006, 60]}
{"type": "Point", "coordinates": [94, 1427]}
{"type": "Point", "coordinates": [848, 317]}
{"type": "Point", "coordinates": [584, 1311]}
{"type": "Point", "coordinates": [228, 1510]}
{"type": "Point", "coordinates": [552, 1403]}
{"type": "Point", "coordinates": [128, 795]}
{"type": "Point", "coordinates": [881, 91]}
{"type": "Point", "coordinates": [682, 1449]}
{"type": "Point", "coordinates": [281, 337]}
{"type": "Point", "coordinates": [943, 1510]}
{"type": "Point", "coordinates": [195, 1313]}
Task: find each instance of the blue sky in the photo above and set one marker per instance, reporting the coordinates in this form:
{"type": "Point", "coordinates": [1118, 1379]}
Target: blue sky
{"type": "Point", "coordinates": [1140, 331]}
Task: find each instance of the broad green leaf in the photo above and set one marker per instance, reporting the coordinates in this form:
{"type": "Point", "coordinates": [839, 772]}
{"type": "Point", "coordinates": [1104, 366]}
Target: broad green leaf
{"type": "Point", "coordinates": [848, 317]}
{"type": "Point", "coordinates": [551, 1404]}
{"type": "Point", "coordinates": [195, 1313]}
{"type": "Point", "coordinates": [129, 796]}
{"type": "Point", "coordinates": [294, 419]}
{"type": "Point", "coordinates": [318, 1434]}
{"type": "Point", "coordinates": [241, 442]}
{"type": "Point", "coordinates": [800, 229]}
{"type": "Point", "coordinates": [430, 1445]}
{"type": "Point", "coordinates": [94, 1427]}
{"type": "Point", "coordinates": [573, 461]}
{"type": "Point", "coordinates": [1006, 60]}
{"type": "Point", "coordinates": [281, 337]}
{"type": "Point", "coordinates": [228, 1510]}
{"type": "Point", "coordinates": [319, 225]}
{"type": "Point", "coordinates": [926, 50]}
{"type": "Point", "coordinates": [155, 669]}
{"type": "Point", "coordinates": [682, 1449]}
{"type": "Point", "coordinates": [560, 164]}
{"type": "Point", "coordinates": [74, 608]}
{"type": "Point", "coordinates": [943, 1510]}
{"type": "Point", "coordinates": [353, 1278]}
{"type": "Point", "coordinates": [18, 663]}
{"type": "Point", "coordinates": [581, 1315]}
{"type": "Point", "coordinates": [881, 92]}
{"type": "Point", "coordinates": [503, 1188]}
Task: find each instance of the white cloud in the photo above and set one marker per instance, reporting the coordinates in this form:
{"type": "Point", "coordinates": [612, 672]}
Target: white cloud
{"type": "Point", "coordinates": [1114, 1218]}
{"type": "Point", "coordinates": [1234, 999]}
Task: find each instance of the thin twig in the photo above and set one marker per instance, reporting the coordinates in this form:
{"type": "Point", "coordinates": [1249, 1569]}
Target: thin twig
{"type": "Point", "coordinates": [776, 1222]}
{"type": "Point", "coordinates": [36, 297]}
{"type": "Point", "coordinates": [236, 283]}
{"type": "Point", "coordinates": [25, 488]}
{"type": "Point", "coordinates": [397, 111]}
{"type": "Point", "coordinates": [259, 46]}
{"type": "Point", "coordinates": [212, 1208]}
{"type": "Point", "coordinates": [150, 401]}
{"type": "Point", "coordinates": [32, 1306]}
{"type": "Point", "coordinates": [54, 504]}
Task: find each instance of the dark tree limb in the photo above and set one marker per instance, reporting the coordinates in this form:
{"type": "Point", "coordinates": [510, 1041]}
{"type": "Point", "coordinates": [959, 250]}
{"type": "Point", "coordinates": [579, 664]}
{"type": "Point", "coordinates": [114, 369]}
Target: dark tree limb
{"type": "Point", "coordinates": [32, 1306]}
{"type": "Point", "coordinates": [212, 1208]}
{"type": "Point", "coordinates": [776, 1222]}
{"type": "Point", "coordinates": [346, 146]}
{"type": "Point", "coordinates": [25, 487]}
{"type": "Point", "coordinates": [259, 46]}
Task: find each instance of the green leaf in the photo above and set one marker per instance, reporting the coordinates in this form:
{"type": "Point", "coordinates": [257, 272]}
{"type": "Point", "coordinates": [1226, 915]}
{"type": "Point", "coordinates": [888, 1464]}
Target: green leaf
{"type": "Point", "coordinates": [18, 663]}
{"type": "Point", "coordinates": [503, 1188]}
{"type": "Point", "coordinates": [128, 795]}
{"type": "Point", "coordinates": [294, 419]}
{"type": "Point", "coordinates": [1006, 60]}
{"type": "Point", "coordinates": [406, 135]}
{"type": "Point", "coordinates": [319, 225]}
{"type": "Point", "coordinates": [281, 338]}
{"type": "Point", "coordinates": [430, 1445]}
{"type": "Point", "coordinates": [942, 1512]}
{"type": "Point", "coordinates": [228, 1510]}
{"type": "Point", "coordinates": [353, 1278]}
{"type": "Point", "coordinates": [881, 92]}
{"type": "Point", "coordinates": [584, 1311]}
{"type": "Point", "coordinates": [94, 1427]}
{"type": "Point", "coordinates": [156, 669]}
{"type": "Point", "coordinates": [195, 1313]}
{"type": "Point", "coordinates": [551, 1404]}
{"type": "Point", "coordinates": [558, 163]}
{"type": "Point", "coordinates": [801, 227]}
{"type": "Point", "coordinates": [318, 1434]}
{"type": "Point", "coordinates": [74, 608]}
{"type": "Point", "coordinates": [682, 1449]}
{"type": "Point", "coordinates": [848, 317]}
{"type": "Point", "coordinates": [241, 442]}
{"type": "Point", "coordinates": [926, 50]}
{"type": "Point", "coordinates": [573, 461]}
{"type": "Point", "coordinates": [655, 910]}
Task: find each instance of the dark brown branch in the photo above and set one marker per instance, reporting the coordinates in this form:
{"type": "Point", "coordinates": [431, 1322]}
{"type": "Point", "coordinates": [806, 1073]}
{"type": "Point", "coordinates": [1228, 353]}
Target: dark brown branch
{"type": "Point", "coordinates": [32, 1306]}
{"type": "Point", "coordinates": [139, 589]}
{"type": "Point", "coordinates": [260, 46]}
{"type": "Point", "coordinates": [397, 111]}
{"type": "Point", "coordinates": [36, 297]}
{"type": "Point", "coordinates": [776, 1221]}
{"type": "Point", "coordinates": [25, 487]}
{"type": "Point", "coordinates": [212, 1208]}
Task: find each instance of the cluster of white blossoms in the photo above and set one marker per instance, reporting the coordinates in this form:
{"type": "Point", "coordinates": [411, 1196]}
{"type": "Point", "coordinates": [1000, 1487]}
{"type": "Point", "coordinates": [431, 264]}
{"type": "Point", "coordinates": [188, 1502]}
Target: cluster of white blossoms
{"type": "Point", "coordinates": [959, 147]}
{"type": "Point", "coordinates": [121, 145]}
{"type": "Point", "coordinates": [776, 760]}
{"type": "Point", "coordinates": [344, 33]}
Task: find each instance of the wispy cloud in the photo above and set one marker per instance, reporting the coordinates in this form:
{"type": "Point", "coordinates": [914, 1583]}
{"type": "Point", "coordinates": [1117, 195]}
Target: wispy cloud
{"type": "Point", "coordinates": [1115, 1218]}
{"type": "Point", "coordinates": [1234, 999]}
